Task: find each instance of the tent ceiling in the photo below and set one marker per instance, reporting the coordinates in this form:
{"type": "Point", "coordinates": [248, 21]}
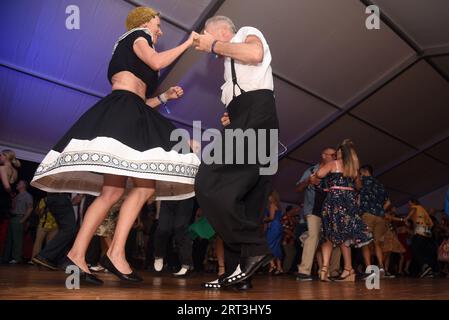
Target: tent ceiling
{"type": "Point", "coordinates": [385, 150]}
{"type": "Point", "coordinates": [443, 64]}
{"type": "Point", "coordinates": [426, 22]}
{"type": "Point", "coordinates": [411, 107]}
{"type": "Point", "coordinates": [440, 151]}
{"type": "Point", "coordinates": [386, 89]}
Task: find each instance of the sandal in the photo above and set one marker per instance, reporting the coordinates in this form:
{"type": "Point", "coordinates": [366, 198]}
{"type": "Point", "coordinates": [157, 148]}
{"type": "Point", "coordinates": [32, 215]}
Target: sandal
{"type": "Point", "coordinates": [350, 277]}
{"type": "Point", "coordinates": [324, 274]}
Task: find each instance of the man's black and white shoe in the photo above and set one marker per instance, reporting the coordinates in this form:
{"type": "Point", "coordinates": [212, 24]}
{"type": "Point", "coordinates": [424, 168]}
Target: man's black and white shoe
{"type": "Point", "coordinates": [243, 286]}
{"type": "Point", "coordinates": [158, 264]}
{"type": "Point", "coordinates": [215, 284]}
{"type": "Point", "coordinates": [182, 272]}
{"type": "Point", "coordinates": [249, 265]}
{"type": "Point", "coordinates": [219, 283]}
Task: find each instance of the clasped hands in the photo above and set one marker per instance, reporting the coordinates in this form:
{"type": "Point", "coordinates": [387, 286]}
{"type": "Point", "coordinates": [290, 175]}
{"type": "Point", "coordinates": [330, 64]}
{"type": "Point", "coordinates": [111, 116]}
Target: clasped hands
{"type": "Point", "coordinates": [202, 42]}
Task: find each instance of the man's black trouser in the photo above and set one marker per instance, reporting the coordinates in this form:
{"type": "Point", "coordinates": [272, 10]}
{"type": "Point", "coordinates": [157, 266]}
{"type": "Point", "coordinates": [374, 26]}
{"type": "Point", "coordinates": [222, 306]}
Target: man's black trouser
{"type": "Point", "coordinates": [60, 205]}
{"type": "Point", "coordinates": [232, 196]}
{"type": "Point", "coordinates": [174, 220]}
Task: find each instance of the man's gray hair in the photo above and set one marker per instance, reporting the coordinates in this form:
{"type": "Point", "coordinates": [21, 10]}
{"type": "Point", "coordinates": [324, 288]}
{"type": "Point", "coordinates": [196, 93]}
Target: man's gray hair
{"type": "Point", "coordinates": [224, 19]}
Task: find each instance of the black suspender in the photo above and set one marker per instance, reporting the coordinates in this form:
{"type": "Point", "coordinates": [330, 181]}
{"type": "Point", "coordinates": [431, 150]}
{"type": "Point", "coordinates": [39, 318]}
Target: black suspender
{"type": "Point", "coordinates": [234, 79]}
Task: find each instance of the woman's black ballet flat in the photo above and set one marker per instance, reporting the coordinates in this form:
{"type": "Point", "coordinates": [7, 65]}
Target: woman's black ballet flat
{"type": "Point", "coordinates": [90, 279]}
{"type": "Point", "coordinates": [85, 278]}
{"type": "Point", "coordinates": [106, 263]}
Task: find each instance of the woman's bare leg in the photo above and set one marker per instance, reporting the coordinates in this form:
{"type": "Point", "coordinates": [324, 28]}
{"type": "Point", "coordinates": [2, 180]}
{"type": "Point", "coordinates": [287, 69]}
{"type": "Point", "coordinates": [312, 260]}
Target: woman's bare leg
{"type": "Point", "coordinates": [272, 266]}
{"type": "Point", "coordinates": [219, 250]}
{"type": "Point", "coordinates": [113, 188]}
{"type": "Point", "coordinates": [326, 252]}
{"type": "Point", "coordinates": [347, 259]}
{"type": "Point", "coordinates": [387, 260]}
{"type": "Point", "coordinates": [105, 243]}
{"type": "Point", "coordinates": [319, 259]}
{"type": "Point", "coordinates": [407, 266]}
{"type": "Point", "coordinates": [130, 210]}
{"type": "Point", "coordinates": [279, 265]}
{"type": "Point", "coordinates": [401, 264]}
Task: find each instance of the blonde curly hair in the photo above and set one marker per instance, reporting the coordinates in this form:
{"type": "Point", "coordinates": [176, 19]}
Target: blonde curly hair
{"type": "Point", "coordinates": [139, 16]}
{"type": "Point", "coordinates": [11, 156]}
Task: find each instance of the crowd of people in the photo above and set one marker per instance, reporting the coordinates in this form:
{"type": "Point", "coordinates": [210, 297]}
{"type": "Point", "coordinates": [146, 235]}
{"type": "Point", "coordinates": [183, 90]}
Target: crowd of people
{"type": "Point", "coordinates": [350, 215]}
{"type": "Point", "coordinates": [355, 221]}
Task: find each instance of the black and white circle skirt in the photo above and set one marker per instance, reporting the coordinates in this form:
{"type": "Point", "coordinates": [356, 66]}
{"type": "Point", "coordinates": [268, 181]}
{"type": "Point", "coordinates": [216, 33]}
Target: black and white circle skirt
{"type": "Point", "coordinates": [119, 135]}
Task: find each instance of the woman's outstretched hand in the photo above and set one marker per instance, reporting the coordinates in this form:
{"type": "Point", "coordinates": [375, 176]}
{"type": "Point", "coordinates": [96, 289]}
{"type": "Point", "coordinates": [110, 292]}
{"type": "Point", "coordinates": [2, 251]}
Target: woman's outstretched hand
{"type": "Point", "coordinates": [193, 36]}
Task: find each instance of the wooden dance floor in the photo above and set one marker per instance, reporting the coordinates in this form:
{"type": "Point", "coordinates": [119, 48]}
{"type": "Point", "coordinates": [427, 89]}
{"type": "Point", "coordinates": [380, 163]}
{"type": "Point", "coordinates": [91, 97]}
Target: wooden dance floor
{"type": "Point", "coordinates": [31, 283]}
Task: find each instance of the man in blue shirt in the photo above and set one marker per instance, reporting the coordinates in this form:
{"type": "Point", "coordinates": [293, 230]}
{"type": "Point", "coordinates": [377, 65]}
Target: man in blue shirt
{"type": "Point", "coordinates": [314, 196]}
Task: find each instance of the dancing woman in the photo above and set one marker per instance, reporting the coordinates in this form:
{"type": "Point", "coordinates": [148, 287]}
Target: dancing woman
{"type": "Point", "coordinates": [274, 232]}
{"type": "Point", "coordinates": [8, 175]}
{"type": "Point", "coordinates": [342, 225]}
{"type": "Point", "coordinates": [122, 141]}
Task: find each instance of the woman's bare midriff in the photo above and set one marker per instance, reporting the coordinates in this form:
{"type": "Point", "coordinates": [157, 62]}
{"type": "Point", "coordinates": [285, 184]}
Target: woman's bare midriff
{"type": "Point", "coordinates": [125, 80]}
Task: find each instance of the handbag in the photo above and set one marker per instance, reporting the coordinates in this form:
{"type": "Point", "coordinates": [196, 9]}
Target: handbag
{"type": "Point", "coordinates": [201, 228]}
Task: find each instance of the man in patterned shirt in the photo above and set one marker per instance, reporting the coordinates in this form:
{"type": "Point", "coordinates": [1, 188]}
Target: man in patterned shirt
{"type": "Point", "coordinates": [373, 202]}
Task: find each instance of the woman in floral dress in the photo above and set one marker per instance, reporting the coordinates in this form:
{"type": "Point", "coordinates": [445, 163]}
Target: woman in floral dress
{"type": "Point", "coordinates": [342, 224]}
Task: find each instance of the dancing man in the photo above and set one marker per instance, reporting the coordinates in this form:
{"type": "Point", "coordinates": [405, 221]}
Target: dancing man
{"type": "Point", "coordinates": [373, 203]}
{"type": "Point", "coordinates": [232, 196]}
{"type": "Point", "coordinates": [314, 196]}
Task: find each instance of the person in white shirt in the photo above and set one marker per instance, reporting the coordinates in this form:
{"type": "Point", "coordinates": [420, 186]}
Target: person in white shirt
{"type": "Point", "coordinates": [232, 196]}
